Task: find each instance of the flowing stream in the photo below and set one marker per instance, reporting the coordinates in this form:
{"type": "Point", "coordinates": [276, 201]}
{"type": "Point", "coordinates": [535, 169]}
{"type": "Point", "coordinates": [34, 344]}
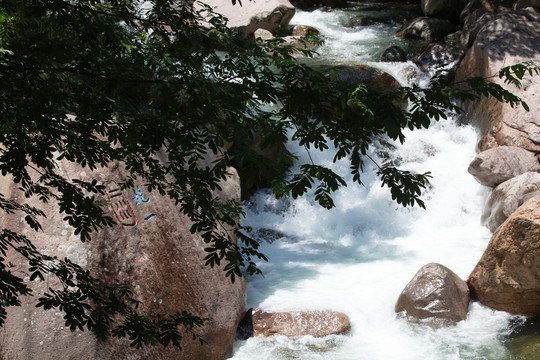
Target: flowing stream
{"type": "Point", "coordinates": [358, 257]}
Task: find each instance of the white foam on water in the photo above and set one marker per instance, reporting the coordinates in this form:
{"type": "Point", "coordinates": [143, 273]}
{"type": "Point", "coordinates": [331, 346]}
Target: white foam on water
{"type": "Point", "coordinates": [358, 257]}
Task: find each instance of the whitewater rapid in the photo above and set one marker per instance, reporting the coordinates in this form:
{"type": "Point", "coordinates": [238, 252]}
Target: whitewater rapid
{"type": "Point", "coordinates": [358, 257]}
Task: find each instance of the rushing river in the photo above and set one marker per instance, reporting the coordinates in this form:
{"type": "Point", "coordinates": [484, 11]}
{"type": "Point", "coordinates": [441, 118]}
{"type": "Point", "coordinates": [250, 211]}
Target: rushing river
{"type": "Point", "coordinates": [358, 257]}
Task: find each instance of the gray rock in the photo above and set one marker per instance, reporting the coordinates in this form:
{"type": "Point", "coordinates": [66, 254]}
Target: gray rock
{"type": "Point", "coordinates": [447, 9]}
{"type": "Point", "coordinates": [435, 296]}
{"type": "Point", "coordinates": [494, 166]}
{"type": "Point", "coordinates": [475, 22]}
{"type": "Point", "coordinates": [471, 6]}
{"type": "Point", "coordinates": [426, 28]}
{"type": "Point", "coordinates": [394, 54]}
{"type": "Point", "coordinates": [511, 38]}
{"type": "Point", "coordinates": [508, 196]}
{"type": "Point", "coordinates": [439, 55]}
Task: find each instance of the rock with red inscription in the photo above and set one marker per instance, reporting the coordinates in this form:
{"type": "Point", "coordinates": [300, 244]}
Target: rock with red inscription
{"type": "Point", "coordinates": [150, 248]}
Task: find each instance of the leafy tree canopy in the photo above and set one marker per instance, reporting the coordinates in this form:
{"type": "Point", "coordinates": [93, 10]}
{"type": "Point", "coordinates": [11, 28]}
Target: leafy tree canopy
{"type": "Point", "coordinates": [101, 81]}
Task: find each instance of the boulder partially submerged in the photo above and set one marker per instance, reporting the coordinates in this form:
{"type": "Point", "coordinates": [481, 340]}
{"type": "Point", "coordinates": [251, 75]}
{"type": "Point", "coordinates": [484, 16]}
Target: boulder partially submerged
{"type": "Point", "coordinates": [435, 296]}
{"type": "Point", "coordinates": [316, 323]}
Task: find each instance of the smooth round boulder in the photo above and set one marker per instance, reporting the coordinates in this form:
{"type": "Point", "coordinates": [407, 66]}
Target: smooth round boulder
{"type": "Point", "coordinates": [494, 166]}
{"type": "Point", "coordinates": [507, 277]}
{"type": "Point", "coordinates": [435, 296]}
{"type": "Point", "coordinates": [508, 197]}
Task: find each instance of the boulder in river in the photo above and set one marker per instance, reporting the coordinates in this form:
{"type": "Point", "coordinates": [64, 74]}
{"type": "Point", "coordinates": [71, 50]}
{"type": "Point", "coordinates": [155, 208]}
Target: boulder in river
{"type": "Point", "coordinates": [435, 296]}
{"type": "Point", "coordinates": [362, 74]}
{"type": "Point", "coordinates": [426, 28]}
{"type": "Point", "coordinates": [507, 277]}
{"type": "Point", "coordinates": [494, 166]}
{"type": "Point", "coordinates": [446, 9]}
{"type": "Point", "coordinates": [316, 323]}
{"type": "Point", "coordinates": [508, 196]}
{"type": "Point", "coordinates": [437, 55]}
{"type": "Point", "coordinates": [394, 54]}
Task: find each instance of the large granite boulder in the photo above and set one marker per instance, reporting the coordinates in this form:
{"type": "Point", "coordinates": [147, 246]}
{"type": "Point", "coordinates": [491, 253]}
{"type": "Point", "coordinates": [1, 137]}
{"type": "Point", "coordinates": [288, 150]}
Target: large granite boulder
{"type": "Point", "coordinates": [507, 277]}
{"type": "Point", "coordinates": [426, 28]}
{"type": "Point", "coordinates": [494, 166]}
{"type": "Point", "coordinates": [316, 323]}
{"type": "Point", "coordinates": [252, 15]}
{"type": "Point", "coordinates": [151, 249]}
{"type": "Point", "coordinates": [513, 37]}
{"type": "Point", "coordinates": [446, 9]}
{"type": "Point", "coordinates": [435, 296]}
{"type": "Point", "coordinates": [508, 196]}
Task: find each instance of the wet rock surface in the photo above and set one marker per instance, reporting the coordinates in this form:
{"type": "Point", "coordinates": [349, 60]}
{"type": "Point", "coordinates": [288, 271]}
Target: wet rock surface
{"type": "Point", "coordinates": [435, 296]}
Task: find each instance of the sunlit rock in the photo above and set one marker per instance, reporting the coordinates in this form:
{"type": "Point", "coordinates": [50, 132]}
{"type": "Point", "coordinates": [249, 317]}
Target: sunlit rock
{"type": "Point", "coordinates": [317, 323]}
{"type": "Point", "coordinates": [508, 196]}
{"type": "Point", "coordinates": [252, 15]}
{"type": "Point", "coordinates": [511, 38]}
{"type": "Point", "coordinates": [507, 277]}
{"type": "Point", "coordinates": [435, 296]}
{"type": "Point", "coordinates": [494, 166]}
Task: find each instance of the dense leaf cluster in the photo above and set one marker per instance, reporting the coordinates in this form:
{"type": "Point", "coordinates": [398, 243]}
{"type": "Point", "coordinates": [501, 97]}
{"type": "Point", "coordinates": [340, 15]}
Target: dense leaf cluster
{"type": "Point", "coordinates": [96, 82]}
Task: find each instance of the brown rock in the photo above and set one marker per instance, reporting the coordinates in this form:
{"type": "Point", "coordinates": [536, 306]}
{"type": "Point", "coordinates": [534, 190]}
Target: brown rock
{"type": "Point", "coordinates": [494, 166]}
{"type": "Point", "coordinates": [507, 277]}
{"type": "Point", "coordinates": [508, 196]}
{"type": "Point", "coordinates": [435, 296]}
{"type": "Point", "coordinates": [159, 257]}
{"type": "Point", "coordinates": [513, 37]}
{"type": "Point", "coordinates": [304, 30]}
{"type": "Point", "coordinates": [317, 323]}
